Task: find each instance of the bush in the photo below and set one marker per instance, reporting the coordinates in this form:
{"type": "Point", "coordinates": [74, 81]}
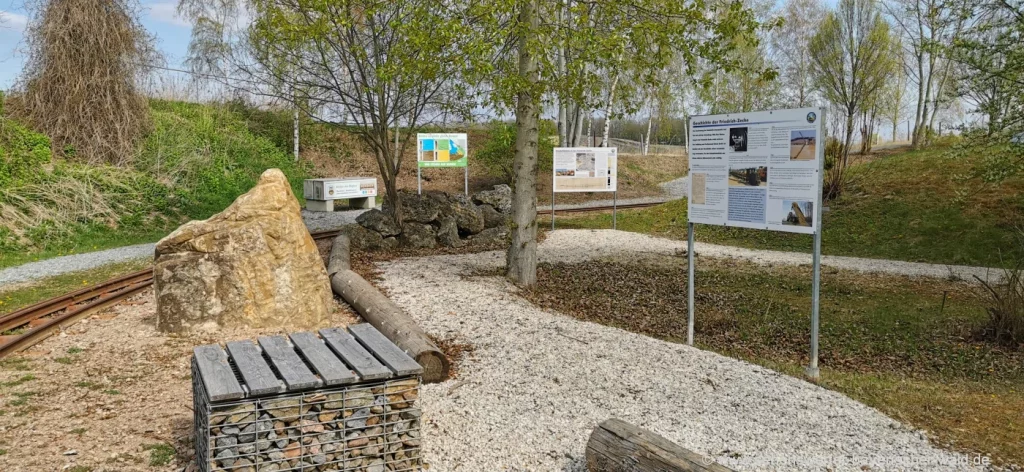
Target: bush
{"type": "Point", "coordinates": [499, 151]}
{"type": "Point", "coordinates": [835, 178]}
{"type": "Point", "coordinates": [1005, 305]}
{"type": "Point", "coordinates": [23, 153]}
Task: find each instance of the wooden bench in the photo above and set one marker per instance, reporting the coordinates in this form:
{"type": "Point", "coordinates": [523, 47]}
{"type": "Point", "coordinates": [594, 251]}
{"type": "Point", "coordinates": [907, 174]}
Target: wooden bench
{"type": "Point", "coordinates": [337, 399]}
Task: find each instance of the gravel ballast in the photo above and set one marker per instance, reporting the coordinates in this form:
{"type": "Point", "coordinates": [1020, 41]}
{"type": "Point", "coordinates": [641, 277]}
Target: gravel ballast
{"type": "Point", "coordinates": [538, 382]}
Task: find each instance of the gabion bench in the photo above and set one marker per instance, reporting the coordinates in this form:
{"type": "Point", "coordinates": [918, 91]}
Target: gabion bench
{"type": "Point", "coordinates": [340, 401]}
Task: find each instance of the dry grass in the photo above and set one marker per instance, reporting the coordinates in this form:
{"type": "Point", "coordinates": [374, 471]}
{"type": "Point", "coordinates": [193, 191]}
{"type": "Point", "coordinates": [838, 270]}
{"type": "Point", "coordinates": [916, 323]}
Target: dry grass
{"type": "Point", "coordinates": [79, 84]}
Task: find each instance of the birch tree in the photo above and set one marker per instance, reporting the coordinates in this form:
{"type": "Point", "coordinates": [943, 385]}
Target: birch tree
{"type": "Point", "coordinates": [792, 40]}
{"type": "Point", "coordinates": [601, 36]}
{"type": "Point", "coordinates": [853, 57]}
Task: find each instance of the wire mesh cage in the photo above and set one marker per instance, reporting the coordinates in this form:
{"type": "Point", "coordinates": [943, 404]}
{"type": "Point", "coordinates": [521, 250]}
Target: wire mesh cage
{"type": "Point", "coordinates": [344, 401]}
{"type": "Point", "coordinates": [372, 427]}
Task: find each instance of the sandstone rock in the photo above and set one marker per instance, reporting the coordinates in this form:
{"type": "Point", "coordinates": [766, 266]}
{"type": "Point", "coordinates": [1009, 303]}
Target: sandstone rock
{"type": "Point", "coordinates": [417, 235]}
{"type": "Point", "coordinates": [500, 198]}
{"type": "Point", "coordinates": [469, 218]}
{"type": "Point", "coordinates": [252, 265]}
{"type": "Point", "coordinates": [493, 218]}
{"type": "Point", "coordinates": [380, 222]}
{"type": "Point", "coordinates": [448, 233]}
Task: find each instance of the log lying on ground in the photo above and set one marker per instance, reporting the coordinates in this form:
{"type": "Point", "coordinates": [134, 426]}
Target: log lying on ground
{"type": "Point", "coordinates": [617, 446]}
{"type": "Point", "coordinates": [384, 314]}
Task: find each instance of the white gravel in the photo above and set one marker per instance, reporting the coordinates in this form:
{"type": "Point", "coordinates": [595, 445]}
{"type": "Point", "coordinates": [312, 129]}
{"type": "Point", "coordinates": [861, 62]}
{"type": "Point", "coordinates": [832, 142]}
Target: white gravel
{"type": "Point", "coordinates": [315, 221]}
{"type": "Point", "coordinates": [539, 382]}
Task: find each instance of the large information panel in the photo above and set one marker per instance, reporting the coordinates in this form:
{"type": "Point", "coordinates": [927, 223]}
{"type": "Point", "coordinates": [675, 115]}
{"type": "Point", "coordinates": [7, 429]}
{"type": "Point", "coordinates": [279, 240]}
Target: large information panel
{"type": "Point", "coordinates": [757, 170]}
{"type": "Point", "coordinates": [585, 169]}
{"type": "Point", "coordinates": [441, 149]}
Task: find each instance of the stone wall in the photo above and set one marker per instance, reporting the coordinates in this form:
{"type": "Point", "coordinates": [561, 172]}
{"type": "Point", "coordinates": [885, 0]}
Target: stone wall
{"type": "Point", "coordinates": [437, 219]}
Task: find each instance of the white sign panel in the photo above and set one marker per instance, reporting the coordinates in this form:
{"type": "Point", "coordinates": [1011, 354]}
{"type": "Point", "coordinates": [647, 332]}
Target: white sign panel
{"type": "Point", "coordinates": [342, 189]}
{"type": "Point", "coordinates": [757, 170]}
{"type": "Point", "coordinates": [585, 169]}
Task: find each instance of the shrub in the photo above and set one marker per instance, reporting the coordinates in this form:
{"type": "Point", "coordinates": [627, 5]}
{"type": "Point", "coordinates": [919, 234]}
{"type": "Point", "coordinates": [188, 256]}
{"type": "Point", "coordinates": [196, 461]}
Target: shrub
{"type": "Point", "coordinates": [835, 178]}
{"type": "Point", "coordinates": [1005, 305]}
{"type": "Point", "coordinates": [499, 151]}
{"type": "Point", "coordinates": [22, 153]}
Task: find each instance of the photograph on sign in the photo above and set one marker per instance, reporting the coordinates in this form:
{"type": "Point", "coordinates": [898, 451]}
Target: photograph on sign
{"type": "Point", "coordinates": [585, 169]}
{"type": "Point", "coordinates": [756, 170]}
{"type": "Point", "coordinates": [442, 149]}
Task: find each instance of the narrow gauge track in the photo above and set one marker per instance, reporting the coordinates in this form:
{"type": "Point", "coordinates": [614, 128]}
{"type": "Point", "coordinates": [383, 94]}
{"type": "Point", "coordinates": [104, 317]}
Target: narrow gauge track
{"type": "Point", "coordinates": [32, 324]}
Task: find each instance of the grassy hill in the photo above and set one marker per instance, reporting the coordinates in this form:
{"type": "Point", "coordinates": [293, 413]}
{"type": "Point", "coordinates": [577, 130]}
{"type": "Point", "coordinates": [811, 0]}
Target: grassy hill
{"type": "Point", "coordinates": [905, 205]}
{"type": "Point", "coordinates": [196, 161]}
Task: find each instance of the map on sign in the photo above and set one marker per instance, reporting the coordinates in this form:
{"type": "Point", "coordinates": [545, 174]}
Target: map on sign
{"type": "Point", "coordinates": [590, 169]}
{"type": "Point", "coordinates": [441, 149]}
{"type": "Point", "coordinates": [757, 170]}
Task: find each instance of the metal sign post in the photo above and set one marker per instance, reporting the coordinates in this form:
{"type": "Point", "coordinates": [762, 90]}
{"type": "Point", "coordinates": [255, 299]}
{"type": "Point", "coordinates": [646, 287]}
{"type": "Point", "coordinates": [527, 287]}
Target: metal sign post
{"type": "Point", "coordinates": [787, 208]}
{"type": "Point", "coordinates": [552, 205]}
{"type": "Point", "coordinates": [419, 184]}
{"type": "Point", "coordinates": [615, 208]}
{"type": "Point", "coordinates": [689, 276]}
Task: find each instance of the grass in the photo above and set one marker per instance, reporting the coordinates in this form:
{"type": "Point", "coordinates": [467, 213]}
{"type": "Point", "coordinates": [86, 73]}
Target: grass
{"type": "Point", "coordinates": [159, 454]}
{"type": "Point", "coordinates": [16, 297]}
{"type": "Point", "coordinates": [112, 392]}
{"type": "Point", "coordinates": [65, 360]}
{"type": "Point", "coordinates": [196, 161]}
{"type": "Point", "coordinates": [19, 381]}
{"type": "Point", "coordinates": [899, 207]}
{"type": "Point", "coordinates": [89, 385]}
{"type": "Point", "coordinates": [79, 431]}
{"type": "Point", "coordinates": [75, 350]}
{"type": "Point", "coordinates": [889, 342]}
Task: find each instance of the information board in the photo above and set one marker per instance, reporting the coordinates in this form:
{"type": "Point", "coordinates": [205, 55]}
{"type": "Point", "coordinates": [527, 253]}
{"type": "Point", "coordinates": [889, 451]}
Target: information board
{"type": "Point", "coordinates": [350, 188]}
{"type": "Point", "coordinates": [757, 170]}
{"type": "Point", "coordinates": [585, 169]}
{"type": "Point", "coordinates": [441, 149]}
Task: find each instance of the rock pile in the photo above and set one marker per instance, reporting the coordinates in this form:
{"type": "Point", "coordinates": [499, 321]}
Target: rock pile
{"type": "Point", "coordinates": [432, 219]}
{"type": "Point", "coordinates": [375, 428]}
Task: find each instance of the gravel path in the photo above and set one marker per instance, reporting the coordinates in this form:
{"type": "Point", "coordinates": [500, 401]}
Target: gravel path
{"type": "Point", "coordinates": [673, 189]}
{"type": "Point", "coordinates": [538, 382]}
{"type": "Point", "coordinates": [315, 221]}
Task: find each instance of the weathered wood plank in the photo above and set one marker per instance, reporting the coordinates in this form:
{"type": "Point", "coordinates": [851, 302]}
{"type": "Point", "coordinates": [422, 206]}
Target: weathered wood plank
{"type": "Point", "coordinates": [216, 374]}
{"type": "Point", "coordinates": [385, 350]}
{"type": "Point", "coordinates": [331, 369]}
{"type": "Point", "coordinates": [617, 446]}
{"type": "Point", "coordinates": [294, 372]}
{"type": "Point", "coordinates": [258, 376]}
{"type": "Point", "coordinates": [354, 354]}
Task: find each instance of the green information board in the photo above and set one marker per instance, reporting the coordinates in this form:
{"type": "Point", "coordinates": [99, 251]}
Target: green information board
{"type": "Point", "coordinates": [441, 150]}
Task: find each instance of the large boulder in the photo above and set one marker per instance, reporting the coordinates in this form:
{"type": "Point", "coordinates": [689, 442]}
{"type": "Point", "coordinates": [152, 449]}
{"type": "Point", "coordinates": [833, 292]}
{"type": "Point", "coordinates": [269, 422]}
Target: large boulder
{"type": "Point", "coordinates": [500, 198]}
{"type": "Point", "coordinates": [416, 208]}
{"type": "Point", "coordinates": [490, 237]}
{"type": "Point", "coordinates": [253, 264]}
{"type": "Point", "coordinates": [380, 222]}
{"type": "Point", "coordinates": [468, 218]}
{"type": "Point", "coordinates": [367, 239]}
{"type": "Point", "coordinates": [493, 218]}
{"type": "Point", "coordinates": [448, 232]}
{"type": "Point", "coordinates": [417, 235]}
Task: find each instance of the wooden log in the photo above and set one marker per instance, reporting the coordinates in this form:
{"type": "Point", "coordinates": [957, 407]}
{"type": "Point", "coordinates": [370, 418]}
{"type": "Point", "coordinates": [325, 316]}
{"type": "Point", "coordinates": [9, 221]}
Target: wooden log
{"type": "Point", "coordinates": [390, 319]}
{"type": "Point", "coordinates": [617, 446]}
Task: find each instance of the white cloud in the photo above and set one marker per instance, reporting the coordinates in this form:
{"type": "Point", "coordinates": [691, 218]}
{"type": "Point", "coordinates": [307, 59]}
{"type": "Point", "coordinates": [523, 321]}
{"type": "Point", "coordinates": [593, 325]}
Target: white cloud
{"type": "Point", "coordinates": [14, 21]}
{"type": "Point", "coordinates": [167, 12]}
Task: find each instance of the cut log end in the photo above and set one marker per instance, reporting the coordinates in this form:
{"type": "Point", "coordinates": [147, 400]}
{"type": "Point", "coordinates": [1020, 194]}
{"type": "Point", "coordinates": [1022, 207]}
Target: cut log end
{"type": "Point", "coordinates": [435, 366]}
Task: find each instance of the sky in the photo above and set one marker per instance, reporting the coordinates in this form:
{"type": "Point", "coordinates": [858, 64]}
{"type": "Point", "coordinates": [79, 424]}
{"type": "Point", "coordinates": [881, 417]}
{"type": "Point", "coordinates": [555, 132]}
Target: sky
{"type": "Point", "coordinates": [159, 17]}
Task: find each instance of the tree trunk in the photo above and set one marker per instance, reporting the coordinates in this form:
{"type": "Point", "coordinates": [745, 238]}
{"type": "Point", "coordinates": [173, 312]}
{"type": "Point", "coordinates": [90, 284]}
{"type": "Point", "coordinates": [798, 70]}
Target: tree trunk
{"type": "Point", "coordinates": [617, 446]}
{"type": "Point", "coordinates": [563, 136]}
{"type": "Point", "coordinates": [390, 319]}
{"type": "Point", "coordinates": [521, 258]}
{"type": "Point", "coordinates": [608, 111]}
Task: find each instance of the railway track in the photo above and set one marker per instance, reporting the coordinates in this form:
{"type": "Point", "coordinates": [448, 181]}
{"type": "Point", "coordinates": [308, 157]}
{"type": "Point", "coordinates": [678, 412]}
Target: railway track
{"type": "Point", "coordinates": [30, 325]}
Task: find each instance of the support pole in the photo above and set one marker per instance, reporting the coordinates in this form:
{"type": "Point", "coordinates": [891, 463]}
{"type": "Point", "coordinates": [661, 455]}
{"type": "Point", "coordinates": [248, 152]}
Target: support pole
{"type": "Point", "coordinates": [615, 211]}
{"type": "Point", "coordinates": [812, 369]}
{"type": "Point", "coordinates": [419, 184]}
{"type": "Point", "coordinates": [689, 277]}
{"type": "Point", "coordinates": [467, 180]}
{"type": "Point", "coordinates": [552, 203]}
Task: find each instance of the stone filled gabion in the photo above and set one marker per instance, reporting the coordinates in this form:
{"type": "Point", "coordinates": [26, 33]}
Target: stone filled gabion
{"type": "Point", "coordinates": [368, 427]}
